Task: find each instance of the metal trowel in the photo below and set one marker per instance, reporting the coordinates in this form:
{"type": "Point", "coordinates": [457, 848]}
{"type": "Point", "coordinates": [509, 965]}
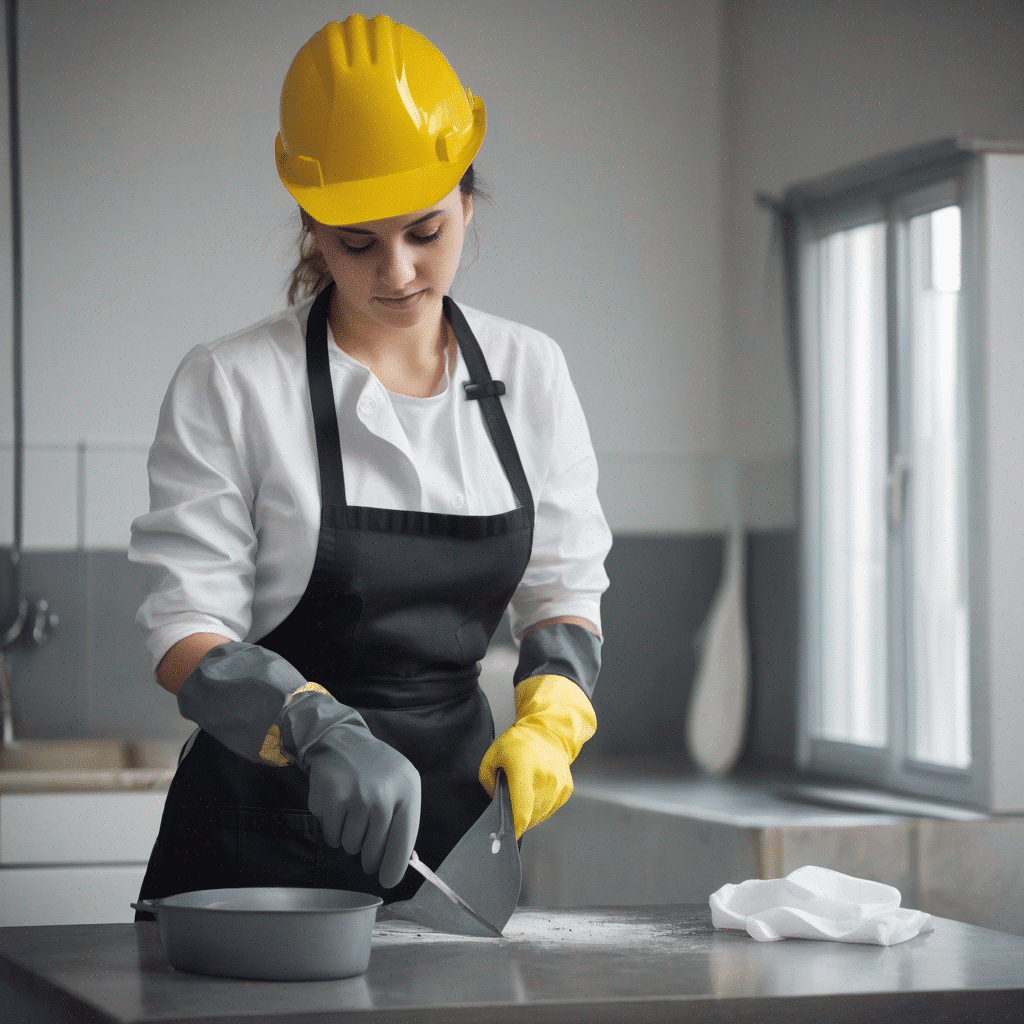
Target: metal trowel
{"type": "Point", "coordinates": [483, 874]}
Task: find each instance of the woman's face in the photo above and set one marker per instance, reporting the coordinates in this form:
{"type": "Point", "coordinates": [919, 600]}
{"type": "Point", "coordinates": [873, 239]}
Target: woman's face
{"type": "Point", "coordinates": [376, 263]}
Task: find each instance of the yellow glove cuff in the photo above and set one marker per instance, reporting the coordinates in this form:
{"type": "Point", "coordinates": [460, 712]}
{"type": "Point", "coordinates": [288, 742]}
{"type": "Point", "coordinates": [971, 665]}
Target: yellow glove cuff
{"type": "Point", "coordinates": [561, 706]}
{"type": "Point", "coordinates": [271, 751]}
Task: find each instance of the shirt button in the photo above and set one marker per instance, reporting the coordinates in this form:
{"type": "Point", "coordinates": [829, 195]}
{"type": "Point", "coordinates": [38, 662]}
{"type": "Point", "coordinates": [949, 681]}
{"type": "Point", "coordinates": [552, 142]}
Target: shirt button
{"type": "Point", "coordinates": [366, 406]}
{"type": "Point", "coordinates": [458, 501]}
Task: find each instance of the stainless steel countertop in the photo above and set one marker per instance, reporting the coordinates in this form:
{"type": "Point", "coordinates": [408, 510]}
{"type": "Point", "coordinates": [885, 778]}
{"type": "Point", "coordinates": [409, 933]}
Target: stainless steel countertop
{"type": "Point", "coordinates": [594, 964]}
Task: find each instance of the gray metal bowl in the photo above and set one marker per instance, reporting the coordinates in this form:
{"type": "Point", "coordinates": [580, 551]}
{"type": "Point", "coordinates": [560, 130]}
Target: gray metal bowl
{"type": "Point", "coordinates": [269, 934]}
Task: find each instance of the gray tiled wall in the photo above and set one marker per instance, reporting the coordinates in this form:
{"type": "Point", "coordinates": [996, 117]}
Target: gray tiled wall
{"type": "Point", "coordinates": [94, 678]}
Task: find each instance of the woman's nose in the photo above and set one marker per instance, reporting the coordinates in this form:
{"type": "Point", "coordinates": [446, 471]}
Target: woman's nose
{"type": "Point", "coordinates": [397, 266]}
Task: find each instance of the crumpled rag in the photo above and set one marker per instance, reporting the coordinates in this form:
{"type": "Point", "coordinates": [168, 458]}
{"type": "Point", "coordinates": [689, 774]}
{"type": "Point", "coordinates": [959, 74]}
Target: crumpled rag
{"type": "Point", "coordinates": [817, 903]}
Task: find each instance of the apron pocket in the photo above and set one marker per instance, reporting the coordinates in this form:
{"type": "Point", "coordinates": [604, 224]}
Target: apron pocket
{"type": "Point", "coordinates": [278, 848]}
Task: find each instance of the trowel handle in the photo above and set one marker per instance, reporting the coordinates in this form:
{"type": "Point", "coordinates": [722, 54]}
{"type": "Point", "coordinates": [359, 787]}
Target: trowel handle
{"type": "Point", "coordinates": [499, 777]}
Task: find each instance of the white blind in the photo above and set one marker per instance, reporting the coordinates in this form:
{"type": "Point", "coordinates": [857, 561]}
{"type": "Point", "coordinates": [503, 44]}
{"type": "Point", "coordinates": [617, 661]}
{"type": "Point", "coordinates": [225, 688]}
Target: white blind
{"type": "Point", "coordinates": [852, 332]}
{"type": "Point", "coordinates": [937, 648]}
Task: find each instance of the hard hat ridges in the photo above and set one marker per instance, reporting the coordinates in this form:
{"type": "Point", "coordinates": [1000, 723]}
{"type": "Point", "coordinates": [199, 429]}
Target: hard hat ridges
{"type": "Point", "coordinates": [327, 49]}
{"type": "Point", "coordinates": [383, 38]}
{"type": "Point", "coordinates": [396, 33]}
{"type": "Point", "coordinates": [356, 42]}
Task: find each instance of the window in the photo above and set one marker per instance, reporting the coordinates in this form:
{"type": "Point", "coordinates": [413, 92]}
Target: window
{"type": "Point", "coordinates": [909, 294]}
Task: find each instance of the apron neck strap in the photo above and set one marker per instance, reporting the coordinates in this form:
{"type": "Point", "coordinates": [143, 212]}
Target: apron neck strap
{"type": "Point", "coordinates": [321, 394]}
{"type": "Point", "coordinates": [487, 392]}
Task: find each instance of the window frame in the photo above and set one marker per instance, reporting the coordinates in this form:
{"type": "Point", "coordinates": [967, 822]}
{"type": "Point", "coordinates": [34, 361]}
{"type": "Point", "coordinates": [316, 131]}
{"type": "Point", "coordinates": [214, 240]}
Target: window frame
{"type": "Point", "coordinates": [817, 212]}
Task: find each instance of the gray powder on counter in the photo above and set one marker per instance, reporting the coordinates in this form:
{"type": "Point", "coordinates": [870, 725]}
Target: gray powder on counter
{"type": "Point", "coordinates": [546, 928]}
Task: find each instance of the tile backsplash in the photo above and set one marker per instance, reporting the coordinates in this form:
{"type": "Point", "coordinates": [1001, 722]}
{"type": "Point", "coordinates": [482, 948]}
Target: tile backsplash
{"type": "Point", "coordinates": [93, 677]}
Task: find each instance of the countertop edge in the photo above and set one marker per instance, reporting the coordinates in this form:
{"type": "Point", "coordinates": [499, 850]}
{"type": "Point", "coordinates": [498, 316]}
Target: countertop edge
{"type": "Point", "coordinates": [29, 997]}
{"type": "Point", "coordinates": [101, 780]}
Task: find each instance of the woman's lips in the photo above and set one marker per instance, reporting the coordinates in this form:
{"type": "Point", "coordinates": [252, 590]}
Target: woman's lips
{"type": "Point", "coordinates": [401, 303]}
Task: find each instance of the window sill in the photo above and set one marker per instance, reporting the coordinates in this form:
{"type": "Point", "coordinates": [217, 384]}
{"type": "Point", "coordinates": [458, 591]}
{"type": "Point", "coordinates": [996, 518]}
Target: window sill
{"type": "Point", "coordinates": [755, 799]}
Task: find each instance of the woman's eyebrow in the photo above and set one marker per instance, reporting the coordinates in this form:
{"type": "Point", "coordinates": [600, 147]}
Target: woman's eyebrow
{"type": "Point", "coordinates": [362, 231]}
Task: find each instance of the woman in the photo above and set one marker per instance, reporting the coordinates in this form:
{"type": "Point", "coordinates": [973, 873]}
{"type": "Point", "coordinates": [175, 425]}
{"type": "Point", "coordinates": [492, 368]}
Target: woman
{"type": "Point", "coordinates": [344, 503]}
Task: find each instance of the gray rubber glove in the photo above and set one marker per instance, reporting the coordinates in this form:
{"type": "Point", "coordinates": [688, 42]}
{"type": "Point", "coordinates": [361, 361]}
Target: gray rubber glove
{"type": "Point", "coordinates": [365, 794]}
{"type": "Point", "coordinates": [561, 649]}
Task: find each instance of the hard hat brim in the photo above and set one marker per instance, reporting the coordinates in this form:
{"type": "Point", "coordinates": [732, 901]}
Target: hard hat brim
{"type": "Point", "coordinates": [393, 195]}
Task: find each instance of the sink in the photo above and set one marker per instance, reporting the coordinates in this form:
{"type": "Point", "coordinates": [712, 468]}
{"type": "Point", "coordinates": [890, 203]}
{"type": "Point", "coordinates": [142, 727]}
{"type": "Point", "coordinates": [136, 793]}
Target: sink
{"type": "Point", "coordinates": [109, 763]}
{"type": "Point", "coordinates": [64, 756]}
{"type": "Point", "coordinates": [89, 755]}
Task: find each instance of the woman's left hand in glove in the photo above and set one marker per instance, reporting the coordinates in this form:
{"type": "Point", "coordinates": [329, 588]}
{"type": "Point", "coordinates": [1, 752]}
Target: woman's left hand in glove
{"type": "Point", "coordinates": [554, 719]}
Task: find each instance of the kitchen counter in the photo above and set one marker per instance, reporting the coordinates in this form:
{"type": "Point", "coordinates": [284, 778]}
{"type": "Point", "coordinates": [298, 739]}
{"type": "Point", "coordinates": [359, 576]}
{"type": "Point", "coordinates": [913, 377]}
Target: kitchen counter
{"type": "Point", "coordinates": [657, 963]}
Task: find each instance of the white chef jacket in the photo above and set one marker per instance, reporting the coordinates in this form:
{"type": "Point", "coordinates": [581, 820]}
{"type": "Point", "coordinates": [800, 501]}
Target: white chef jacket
{"type": "Point", "coordinates": [234, 482]}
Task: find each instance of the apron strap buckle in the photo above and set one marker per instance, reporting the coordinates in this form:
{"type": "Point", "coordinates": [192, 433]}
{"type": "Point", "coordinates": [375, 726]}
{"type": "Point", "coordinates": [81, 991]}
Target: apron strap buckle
{"type": "Point", "coordinates": [488, 389]}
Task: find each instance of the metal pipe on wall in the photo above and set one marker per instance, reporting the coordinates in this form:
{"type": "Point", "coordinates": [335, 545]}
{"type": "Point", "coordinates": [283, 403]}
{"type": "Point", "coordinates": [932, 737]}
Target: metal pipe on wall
{"type": "Point", "coordinates": [9, 630]}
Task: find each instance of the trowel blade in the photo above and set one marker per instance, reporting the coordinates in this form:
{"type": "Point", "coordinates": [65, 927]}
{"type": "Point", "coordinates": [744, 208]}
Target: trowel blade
{"type": "Point", "coordinates": [484, 869]}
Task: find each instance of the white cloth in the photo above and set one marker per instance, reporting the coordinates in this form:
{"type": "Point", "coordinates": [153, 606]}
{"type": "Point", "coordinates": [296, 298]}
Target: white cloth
{"type": "Point", "coordinates": [817, 903]}
{"type": "Point", "coordinates": [234, 485]}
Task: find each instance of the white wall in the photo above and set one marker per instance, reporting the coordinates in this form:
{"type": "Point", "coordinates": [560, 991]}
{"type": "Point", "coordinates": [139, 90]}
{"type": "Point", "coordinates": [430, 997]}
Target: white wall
{"type": "Point", "coordinates": [154, 219]}
{"type": "Point", "coordinates": [626, 141]}
{"type": "Point", "coordinates": [811, 86]}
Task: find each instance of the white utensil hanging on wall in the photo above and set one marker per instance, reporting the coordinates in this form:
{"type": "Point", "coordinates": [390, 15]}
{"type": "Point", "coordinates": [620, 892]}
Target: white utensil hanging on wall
{"type": "Point", "coordinates": [717, 714]}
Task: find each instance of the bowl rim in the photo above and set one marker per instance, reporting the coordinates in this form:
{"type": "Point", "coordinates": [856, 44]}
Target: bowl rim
{"type": "Point", "coordinates": [363, 901]}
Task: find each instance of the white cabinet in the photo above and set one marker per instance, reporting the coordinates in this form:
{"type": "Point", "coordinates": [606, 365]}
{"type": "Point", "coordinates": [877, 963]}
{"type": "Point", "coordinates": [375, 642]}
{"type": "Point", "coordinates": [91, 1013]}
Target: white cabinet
{"type": "Point", "coordinates": [74, 858]}
{"type": "Point", "coordinates": [72, 895]}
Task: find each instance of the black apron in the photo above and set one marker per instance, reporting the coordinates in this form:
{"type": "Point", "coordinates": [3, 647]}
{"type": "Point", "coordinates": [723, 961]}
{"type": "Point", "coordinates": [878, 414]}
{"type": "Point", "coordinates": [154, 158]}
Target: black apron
{"type": "Point", "coordinates": [399, 609]}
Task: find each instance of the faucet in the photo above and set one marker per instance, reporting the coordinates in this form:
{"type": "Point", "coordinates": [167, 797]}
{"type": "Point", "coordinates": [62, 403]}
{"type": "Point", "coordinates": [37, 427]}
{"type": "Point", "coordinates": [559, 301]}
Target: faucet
{"type": "Point", "coordinates": [5, 704]}
{"type": "Point", "coordinates": [12, 634]}
{"type": "Point", "coordinates": [43, 622]}
{"type": "Point", "coordinates": [17, 625]}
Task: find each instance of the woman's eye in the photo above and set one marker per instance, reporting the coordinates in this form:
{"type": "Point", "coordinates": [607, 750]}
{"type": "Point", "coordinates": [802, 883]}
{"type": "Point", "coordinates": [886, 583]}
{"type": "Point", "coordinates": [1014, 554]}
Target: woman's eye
{"type": "Point", "coordinates": [418, 239]}
{"type": "Point", "coordinates": [352, 248]}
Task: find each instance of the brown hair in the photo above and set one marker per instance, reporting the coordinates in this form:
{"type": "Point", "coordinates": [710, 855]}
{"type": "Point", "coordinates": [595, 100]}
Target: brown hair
{"type": "Point", "coordinates": [311, 273]}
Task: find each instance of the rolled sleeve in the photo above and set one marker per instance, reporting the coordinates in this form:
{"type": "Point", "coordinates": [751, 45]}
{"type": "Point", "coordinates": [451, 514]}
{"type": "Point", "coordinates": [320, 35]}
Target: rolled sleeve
{"type": "Point", "coordinates": [198, 534]}
{"type": "Point", "coordinates": [566, 574]}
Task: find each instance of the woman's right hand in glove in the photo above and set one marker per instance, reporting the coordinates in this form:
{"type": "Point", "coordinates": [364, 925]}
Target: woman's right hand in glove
{"type": "Point", "coordinates": [365, 794]}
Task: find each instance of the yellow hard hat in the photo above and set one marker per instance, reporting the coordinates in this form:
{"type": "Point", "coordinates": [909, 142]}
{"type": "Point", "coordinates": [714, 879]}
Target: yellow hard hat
{"type": "Point", "coordinates": [374, 123]}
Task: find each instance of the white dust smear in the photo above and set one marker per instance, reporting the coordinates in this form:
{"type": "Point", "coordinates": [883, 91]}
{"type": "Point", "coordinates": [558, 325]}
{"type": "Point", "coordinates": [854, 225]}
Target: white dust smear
{"type": "Point", "coordinates": [552, 928]}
